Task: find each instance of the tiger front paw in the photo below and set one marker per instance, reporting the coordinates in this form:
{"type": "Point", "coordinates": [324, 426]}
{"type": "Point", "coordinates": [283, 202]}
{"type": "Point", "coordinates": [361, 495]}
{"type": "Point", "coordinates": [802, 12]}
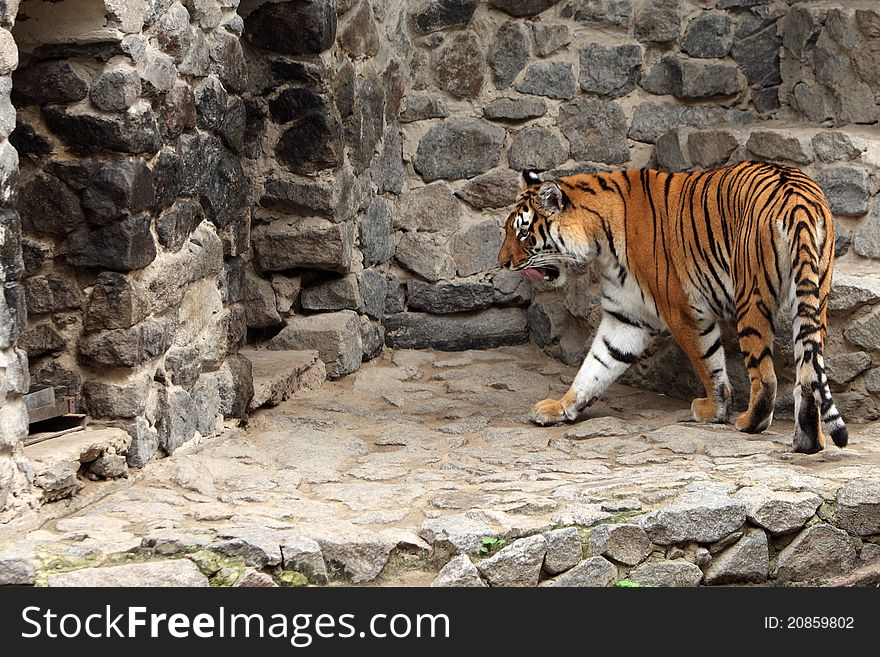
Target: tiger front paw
{"type": "Point", "coordinates": [549, 412]}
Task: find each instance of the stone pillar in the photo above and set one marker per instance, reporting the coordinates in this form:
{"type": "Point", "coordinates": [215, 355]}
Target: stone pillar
{"type": "Point", "coordinates": [13, 312]}
{"type": "Point", "coordinates": [135, 211]}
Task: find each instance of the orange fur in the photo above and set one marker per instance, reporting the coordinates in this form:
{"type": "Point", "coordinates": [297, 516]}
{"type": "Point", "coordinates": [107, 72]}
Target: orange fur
{"type": "Point", "coordinates": [702, 246]}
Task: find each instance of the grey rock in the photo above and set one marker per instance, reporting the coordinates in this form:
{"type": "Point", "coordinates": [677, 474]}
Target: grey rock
{"type": "Point", "coordinates": [144, 441]}
{"type": "Point", "coordinates": [116, 302]}
{"type": "Point", "coordinates": [701, 516]}
{"type": "Point", "coordinates": [459, 572]}
{"type": "Point", "coordinates": [167, 573]}
{"type": "Point", "coordinates": [388, 170]}
{"type": "Point", "coordinates": [835, 146]}
{"type": "Point", "coordinates": [423, 255]}
{"type": "Point", "coordinates": [290, 245]}
{"type": "Point", "coordinates": [109, 466]}
{"type": "Point", "coordinates": [341, 293]}
{"type": "Point", "coordinates": [86, 131]}
{"type": "Point", "coordinates": [550, 37]}
{"type": "Point", "coordinates": [758, 57]}
{"type": "Point", "coordinates": [496, 189]}
{"type": "Point", "coordinates": [47, 205]}
{"type": "Point", "coordinates": [456, 534]}
{"type": "Point", "coordinates": [603, 427]}
{"type": "Point", "coordinates": [857, 507]}
{"type": "Point", "coordinates": [236, 383]}
{"type": "Point", "coordinates": [550, 79]}
{"type": "Point", "coordinates": [746, 561]}
{"type": "Point", "coordinates": [617, 13]}
{"type": "Point", "coordinates": [866, 332]}
{"type": "Point", "coordinates": [359, 38]}
{"type": "Point", "coordinates": [846, 189]}
{"type": "Point", "coordinates": [178, 422]}
{"type": "Point", "coordinates": [122, 246]}
{"type": "Point", "coordinates": [866, 240]}
{"type": "Point", "coordinates": [335, 198]}
{"type": "Point", "coordinates": [849, 291]}
{"type": "Point", "coordinates": [122, 188]}
{"type": "Point", "coordinates": [127, 347]}
{"type": "Point", "coordinates": [675, 573]}
{"type": "Point", "coordinates": [41, 339]}
{"type": "Point", "coordinates": [418, 107]}
{"type": "Point", "coordinates": [362, 554]}
{"type": "Point", "coordinates": [843, 368]}
{"type": "Point", "coordinates": [776, 511]}
{"type": "Point", "coordinates": [596, 130]}
{"type": "Point", "coordinates": [778, 146]}
{"type": "Point", "coordinates": [511, 289]}
{"type": "Point", "coordinates": [536, 147]}
{"type": "Point", "coordinates": [517, 564]}
{"type": "Point", "coordinates": [564, 550]}
{"type": "Point", "coordinates": [372, 338]}
{"type": "Point", "coordinates": [458, 65]}
{"type": "Point", "coordinates": [817, 552]}
{"type": "Point", "coordinates": [432, 208]}
{"type": "Point", "coordinates": [708, 35]}
{"type": "Point", "coordinates": [689, 79]}
{"type": "Point", "coordinates": [451, 298]}
{"type": "Point", "coordinates": [475, 248]}
{"type": "Point", "coordinates": [270, 26]}
{"type": "Point", "coordinates": [395, 295]}
{"type": "Point", "coordinates": [872, 381]}
{"type": "Point", "coordinates": [508, 53]}
{"type": "Point", "coordinates": [263, 547]}
{"type": "Point", "coordinates": [431, 15]}
{"type": "Point", "coordinates": [376, 241]}
{"type": "Point", "coordinates": [521, 108]}
{"type": "Point", "coordinates": [336, 336]}
{"type": "Point", "coordinates": [211, 100]}
{"type": "Point", "coordinates": [671, 151]}
{"type": "Point", "coordinates": [49, 81]}
{"type": "Point", "coordinates": [109, 400]}
{"type": "Point", "coordinates": [206, 404]}
{"type": "Point", "coordinates": [313, 143]}
{"type": "Point", "coordinates": [711, 148]}
{"type": "Point", "coordinates": [658, 21]}
{"type": "Point", "coordinates": [47, 294]}
{"type": "Point", "coordinates": [610, 70]}
{"type": "Point", "coordinates": [16, 569]}
{"type": "Point", "coordinates": [372, 292]}
{"type": "Point", "coordinates": [458, 148]}
{"type": "Point", "coordinates": [175, 225]}
{"type": "Point", "coordinates": [251, 578]}
{"type": "Point", "coordinates": [259, 302]}
{"type": "Point", "coordinates": [627, 544]}
{"type": "Point", "coordinates": [522, 8]}
{"type": "Point", "coordinates": [481, 330]}
{"type": "Point", "coordinates": [116, 89]}
{"type": "Point", "coordinates": [651, 120]}
{"type": "Point", "coordinates": [592, 572]}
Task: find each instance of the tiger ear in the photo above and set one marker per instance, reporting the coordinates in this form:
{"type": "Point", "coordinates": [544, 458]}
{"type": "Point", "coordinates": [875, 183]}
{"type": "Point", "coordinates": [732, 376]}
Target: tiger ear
{"type": "Point", "coordinates": [529, 178]}
{"type": "Point", "coordinates": [552, 197]}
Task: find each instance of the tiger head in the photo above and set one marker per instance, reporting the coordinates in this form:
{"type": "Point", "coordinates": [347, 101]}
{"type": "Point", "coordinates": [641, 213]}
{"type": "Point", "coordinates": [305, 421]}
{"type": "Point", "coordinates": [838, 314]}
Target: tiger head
{"type": "Point", "coordinates": [532, 244]}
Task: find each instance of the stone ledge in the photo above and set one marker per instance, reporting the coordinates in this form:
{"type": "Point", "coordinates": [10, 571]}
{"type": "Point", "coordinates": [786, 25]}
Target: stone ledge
{"type": "Point", "coordinates": [57, 462]}
{"type": "Point", "coordinates": [280, 374]}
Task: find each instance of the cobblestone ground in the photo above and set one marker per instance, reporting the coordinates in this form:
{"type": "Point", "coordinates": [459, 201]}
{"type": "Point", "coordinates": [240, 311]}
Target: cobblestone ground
{"type": "Point", "coordinates": [379, 477]}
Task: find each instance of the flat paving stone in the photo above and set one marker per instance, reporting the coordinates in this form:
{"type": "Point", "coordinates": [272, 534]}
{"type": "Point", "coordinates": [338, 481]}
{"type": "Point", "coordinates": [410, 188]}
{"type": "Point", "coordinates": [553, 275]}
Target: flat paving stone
{"type": "Point", "coordinates": [438, 447]}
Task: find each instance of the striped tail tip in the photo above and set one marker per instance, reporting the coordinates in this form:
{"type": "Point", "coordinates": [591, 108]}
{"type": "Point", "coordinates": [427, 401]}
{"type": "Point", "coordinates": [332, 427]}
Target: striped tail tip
{"type": "Point", "coordinates": [839, 433]}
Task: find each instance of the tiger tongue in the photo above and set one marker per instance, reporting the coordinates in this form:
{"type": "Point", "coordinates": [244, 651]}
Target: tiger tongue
{"type": "Point", "coordinates": [533, 274]}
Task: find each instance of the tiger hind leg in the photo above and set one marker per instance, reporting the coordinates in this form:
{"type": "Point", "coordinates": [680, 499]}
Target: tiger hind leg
{"type": "Point", "coordinates": [755, 332]}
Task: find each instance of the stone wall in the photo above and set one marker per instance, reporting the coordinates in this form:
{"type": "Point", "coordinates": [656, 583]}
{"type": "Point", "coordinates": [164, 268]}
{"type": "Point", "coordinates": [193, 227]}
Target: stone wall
{"type": "Point", "coordinates": [419, 116]}
{"type": "Point", "coordinates": [135, 211]}
{"type": "Point", "coordinates": [13, 313]}
{"type": "Point", "coordinates": [375, 146]}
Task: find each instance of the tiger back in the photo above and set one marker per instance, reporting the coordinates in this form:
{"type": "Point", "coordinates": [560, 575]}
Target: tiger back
{"type": "Point", "coordinates": [679, 252]}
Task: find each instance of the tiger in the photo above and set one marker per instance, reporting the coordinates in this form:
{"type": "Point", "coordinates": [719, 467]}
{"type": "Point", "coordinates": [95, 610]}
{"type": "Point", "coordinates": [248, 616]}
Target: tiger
{"type": "Point", "coordinates": [679, 253]}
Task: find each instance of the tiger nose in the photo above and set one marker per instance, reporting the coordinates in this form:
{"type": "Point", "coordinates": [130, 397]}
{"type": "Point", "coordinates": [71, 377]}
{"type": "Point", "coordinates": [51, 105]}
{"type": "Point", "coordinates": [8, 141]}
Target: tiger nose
{"type": "Point", "coordinates": [504, 261]}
